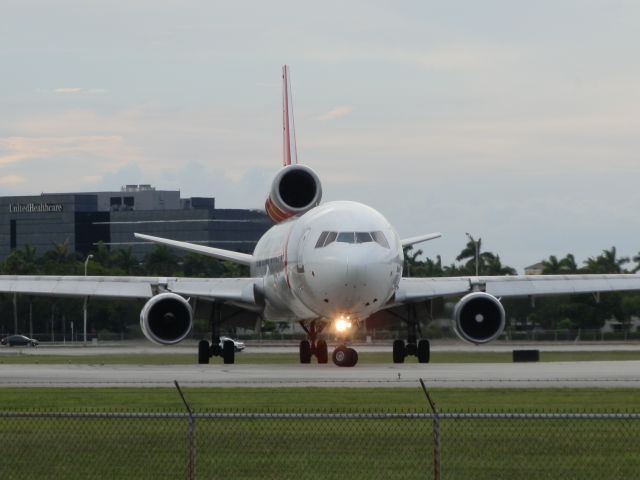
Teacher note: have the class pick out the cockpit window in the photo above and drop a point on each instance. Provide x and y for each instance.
(331, 238)
(346, 237)
(323, 237)
(363, 237)
(327, 238)
(379, 238)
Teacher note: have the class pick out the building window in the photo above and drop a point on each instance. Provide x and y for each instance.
(12, 235)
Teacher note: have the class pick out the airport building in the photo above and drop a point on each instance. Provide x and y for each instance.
(84, 219)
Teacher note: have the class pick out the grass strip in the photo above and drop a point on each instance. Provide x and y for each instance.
(259, 399)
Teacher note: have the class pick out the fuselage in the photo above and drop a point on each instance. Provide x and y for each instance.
(338, 260)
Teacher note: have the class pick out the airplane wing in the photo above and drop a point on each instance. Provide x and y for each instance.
(419, 289)
(219, 253)
(239, 290)
(419, 239)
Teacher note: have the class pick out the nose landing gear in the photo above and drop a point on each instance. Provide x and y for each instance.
(344, 356)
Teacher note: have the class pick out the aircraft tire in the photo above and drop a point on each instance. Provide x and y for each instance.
(399, 351)
(203, 352)
(322, 351)
(305, 351)
(424, 351)
(342, 356)
(228, 352)
(354, 357)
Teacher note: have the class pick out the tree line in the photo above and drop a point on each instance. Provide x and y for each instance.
(554, 312)
(53, 316)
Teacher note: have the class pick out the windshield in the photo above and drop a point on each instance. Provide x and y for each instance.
(326, 238)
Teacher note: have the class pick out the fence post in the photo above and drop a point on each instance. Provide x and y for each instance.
(436, 433)
(191, 435)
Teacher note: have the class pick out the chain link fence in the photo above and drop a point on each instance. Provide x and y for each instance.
(322, 445)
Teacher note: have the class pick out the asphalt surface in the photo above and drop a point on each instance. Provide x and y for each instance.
(476, 375)
(190, 348)
(485, 375)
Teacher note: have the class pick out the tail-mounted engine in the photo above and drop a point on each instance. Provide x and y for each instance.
(479, 317)
(295, 190)
(166, 318)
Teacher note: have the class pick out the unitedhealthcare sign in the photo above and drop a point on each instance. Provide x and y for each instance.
(35, 207)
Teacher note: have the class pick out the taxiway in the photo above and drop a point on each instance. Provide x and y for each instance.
(478, 375)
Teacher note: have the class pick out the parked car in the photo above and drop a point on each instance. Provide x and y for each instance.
(239, 346)
(13, 340)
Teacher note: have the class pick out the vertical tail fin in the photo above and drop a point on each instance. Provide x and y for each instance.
(288, 123)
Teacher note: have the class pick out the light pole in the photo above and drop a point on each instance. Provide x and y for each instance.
(476, 244)
(86, 299)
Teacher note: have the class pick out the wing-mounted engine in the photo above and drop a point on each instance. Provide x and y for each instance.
(295, 190)
(166, 318)
(479, 318)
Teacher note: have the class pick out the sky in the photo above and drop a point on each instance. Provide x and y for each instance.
(518, 122)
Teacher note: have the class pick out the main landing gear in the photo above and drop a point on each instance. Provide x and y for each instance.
(420, 349)
(312, 346)
(207, 350)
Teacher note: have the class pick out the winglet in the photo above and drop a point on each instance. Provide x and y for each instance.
(420, 238)
(219, 253)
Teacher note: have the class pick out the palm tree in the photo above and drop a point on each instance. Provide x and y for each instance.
(102, 255)
(196, 265)
(411, 262)
(493, 266)
(606, 262)
(553, 266)
(568, 264)
(14, 264)
(433, 269)
(469, 251)
(125, 260)
(59, 252)
(161, 261)
(637, 260)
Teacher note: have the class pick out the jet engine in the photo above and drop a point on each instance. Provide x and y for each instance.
(295, 190)
(166, 318)
(479, 317)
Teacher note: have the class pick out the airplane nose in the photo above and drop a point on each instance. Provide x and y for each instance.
(349, 284)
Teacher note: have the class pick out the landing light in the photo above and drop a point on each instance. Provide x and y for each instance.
(343, 325)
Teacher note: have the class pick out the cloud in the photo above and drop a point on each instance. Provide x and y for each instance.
(15, 150)
(9, 180)
(79, 90)
(335, 113)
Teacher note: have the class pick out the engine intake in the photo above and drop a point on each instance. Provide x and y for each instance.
(166, 318)
(296, 189)
(479, 318)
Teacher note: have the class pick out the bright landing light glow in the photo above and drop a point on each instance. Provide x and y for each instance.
(342, 325)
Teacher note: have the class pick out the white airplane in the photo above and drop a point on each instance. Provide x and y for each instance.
(326, 266)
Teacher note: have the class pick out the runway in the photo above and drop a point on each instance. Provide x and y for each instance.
(190, 347)
(477, 375)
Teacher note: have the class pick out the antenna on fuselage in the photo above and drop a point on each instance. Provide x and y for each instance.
(288, 122)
